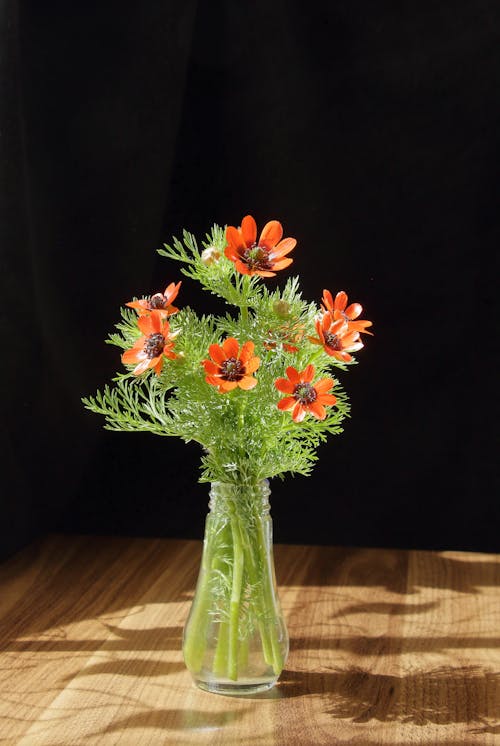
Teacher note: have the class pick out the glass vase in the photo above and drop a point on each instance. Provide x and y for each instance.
(235, 638)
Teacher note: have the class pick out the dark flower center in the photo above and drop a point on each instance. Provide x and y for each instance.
(232, 369)
(333, 341)
(257, 258)
(305, 393)
(157, 301)
(154, 345)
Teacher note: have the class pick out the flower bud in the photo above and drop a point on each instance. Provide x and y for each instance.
(210, 255)
(281, 308)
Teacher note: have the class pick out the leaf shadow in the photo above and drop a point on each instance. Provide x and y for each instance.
(444, 695)
(151, 638)
(135, 667)
(377, 645)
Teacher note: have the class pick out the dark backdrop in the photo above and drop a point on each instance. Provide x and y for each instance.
(370, 130)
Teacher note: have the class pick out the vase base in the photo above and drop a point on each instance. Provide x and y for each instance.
(235, 688)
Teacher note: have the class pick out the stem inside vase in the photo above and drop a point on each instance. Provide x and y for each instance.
(235, 639)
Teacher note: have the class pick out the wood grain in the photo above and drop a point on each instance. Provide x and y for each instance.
(387, 647)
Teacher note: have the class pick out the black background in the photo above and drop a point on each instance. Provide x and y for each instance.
(371, 130)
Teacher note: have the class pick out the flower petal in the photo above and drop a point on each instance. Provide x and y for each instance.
(231, 347)
(210, 367)
(349, 339)
(307, 374)
(324, 323)
(227, 385)
(212, 380)
(340, 301)
(132, 356)
(144, 365)
(284, 385)
(139, 305)
(252, 365)
(247, 382)
(249, 230)
(334, 353)
(282, 263)
(263, 273)
(293, 374)
(271, 234)
(287, 403)
(171, 291)
(317, 410)
(247, 351)
(165, 326)
(355, 347)
(158, 365)
(243, 269)
(231, 253)
(360, 326)
(148, 324)
(327, 300)
(234, 237)
(338, 327)
(353, 311)
(139, 343)
(329, 399)
(324, 385)
(284, 247)
(298, 413)
(217, 353)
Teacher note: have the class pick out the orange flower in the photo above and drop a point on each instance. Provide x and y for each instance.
(155, 343)
(305, 395)
(262, 257)
(158, 302)
(338, 309)
(229, 367)
(337, 340)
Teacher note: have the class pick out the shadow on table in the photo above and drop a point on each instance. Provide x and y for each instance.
(384, 644)
(57, 582)
(441, 696)
(171, 719)
(121, 639)
(134, 667)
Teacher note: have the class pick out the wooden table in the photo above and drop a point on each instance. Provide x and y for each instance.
(387, 647)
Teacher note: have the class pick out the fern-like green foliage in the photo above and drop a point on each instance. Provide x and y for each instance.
(243, 435)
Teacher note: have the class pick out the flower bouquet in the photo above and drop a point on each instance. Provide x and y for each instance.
(254, 387)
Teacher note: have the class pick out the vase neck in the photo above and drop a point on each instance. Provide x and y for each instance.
(228, 497)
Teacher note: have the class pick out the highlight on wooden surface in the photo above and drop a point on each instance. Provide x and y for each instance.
(387, 647)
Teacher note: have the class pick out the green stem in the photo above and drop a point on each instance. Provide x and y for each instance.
(195, 642)
(245, 286)
(219, 565)
(243, 654)
(237, 547)
(258, 567)
(244, 315)
(252, 565)
(269, 600)
(221, 650)
(234, 609)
